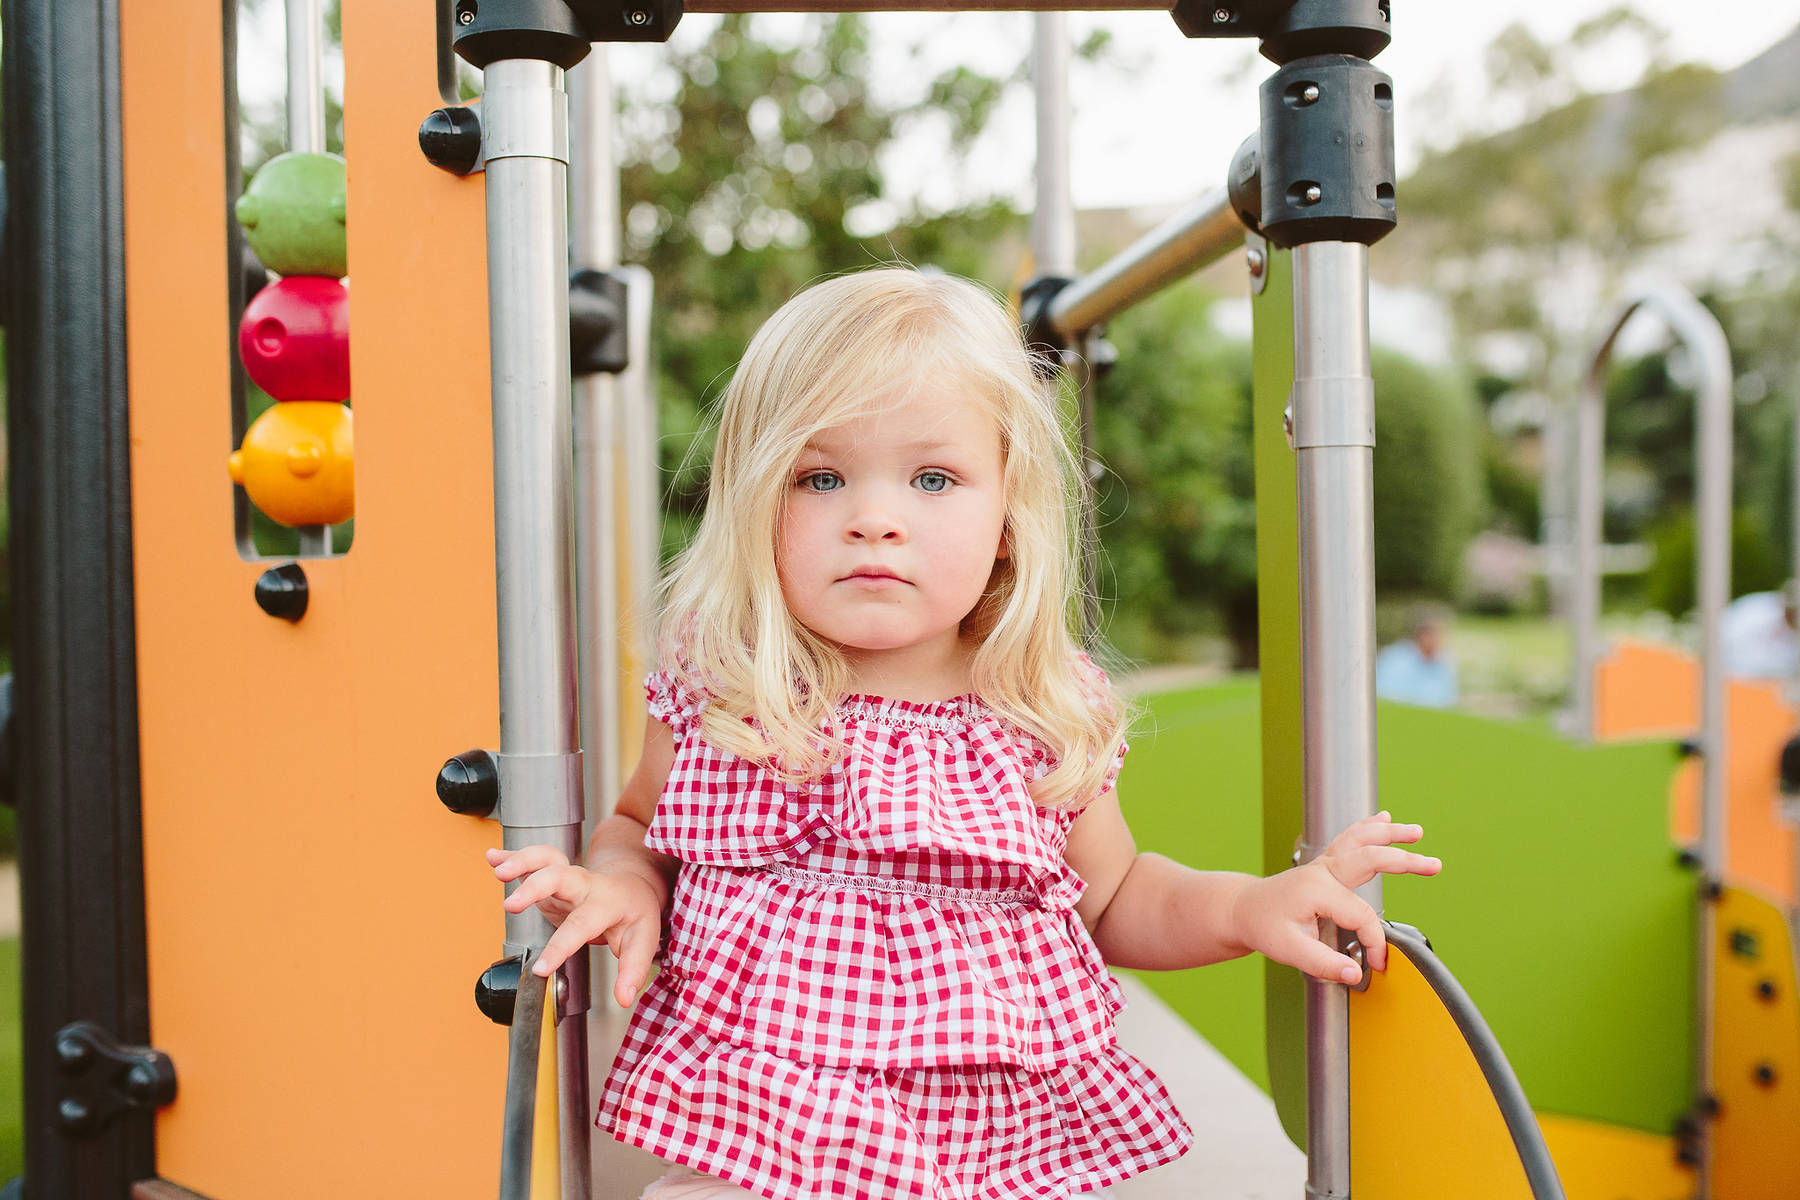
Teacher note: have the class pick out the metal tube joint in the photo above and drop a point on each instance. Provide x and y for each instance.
(556, 31)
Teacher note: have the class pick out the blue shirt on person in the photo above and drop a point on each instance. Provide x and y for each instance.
(1403, 673)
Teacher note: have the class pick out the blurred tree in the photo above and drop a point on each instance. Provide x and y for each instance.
(747, 185)
(1177, 510)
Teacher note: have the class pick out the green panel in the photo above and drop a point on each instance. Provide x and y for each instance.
(1561, 907)
(1187, 791)
(1278, 617)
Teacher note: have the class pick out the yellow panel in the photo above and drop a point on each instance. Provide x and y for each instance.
(1607, 1162)
(1756, 1053)
(1423, 1122)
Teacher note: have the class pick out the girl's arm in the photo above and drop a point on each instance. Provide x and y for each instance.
(618, 841)
(1150, 912)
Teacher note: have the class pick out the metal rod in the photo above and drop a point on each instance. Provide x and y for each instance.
(305, 78)
(1333, 422)
(1200, 234)
(642, 468)
(306, 134)
(1700, 333)
(1053, 221)
(525, 138)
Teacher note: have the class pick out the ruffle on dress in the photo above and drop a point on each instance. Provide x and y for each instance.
(946, 775)
(794, 1131)
(868, 970)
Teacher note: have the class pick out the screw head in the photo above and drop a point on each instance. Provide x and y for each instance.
(638, 16)
(1309, 94)
(1314, 194)
(465, 15)
(1221, 16)
(1257, 262)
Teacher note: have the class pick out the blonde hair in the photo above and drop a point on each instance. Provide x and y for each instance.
(837, 351)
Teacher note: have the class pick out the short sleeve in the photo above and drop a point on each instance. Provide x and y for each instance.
(673, 701)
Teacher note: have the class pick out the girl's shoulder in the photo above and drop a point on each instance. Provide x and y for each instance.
(675, 697)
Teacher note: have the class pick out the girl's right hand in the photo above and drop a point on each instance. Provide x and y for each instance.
(585, 906)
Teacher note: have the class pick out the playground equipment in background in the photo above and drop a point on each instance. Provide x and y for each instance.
(141, 732)
(1649, 975)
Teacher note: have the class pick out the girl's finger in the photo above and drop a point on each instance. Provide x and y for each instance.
(1366, 862)
(569, 937)
(515, 863)
(1350, 911)
(1317, 959)
(635, 950)
(542, 885)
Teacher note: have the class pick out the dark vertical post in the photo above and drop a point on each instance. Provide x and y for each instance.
(75, 677)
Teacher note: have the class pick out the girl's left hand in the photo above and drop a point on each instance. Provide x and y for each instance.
(1280, 915)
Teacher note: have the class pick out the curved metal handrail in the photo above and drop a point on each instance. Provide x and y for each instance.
(1700, 332)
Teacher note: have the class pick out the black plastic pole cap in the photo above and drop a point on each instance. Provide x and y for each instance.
(451, 139)
(282, 591)
(497, 991)
(469, 783)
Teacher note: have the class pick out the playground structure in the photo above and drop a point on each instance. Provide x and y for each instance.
(282, 1043)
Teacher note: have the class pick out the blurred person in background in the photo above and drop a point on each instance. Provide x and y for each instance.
(1417, 669)
(1756, 634)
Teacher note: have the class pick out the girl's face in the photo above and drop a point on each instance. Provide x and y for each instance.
(890, 528)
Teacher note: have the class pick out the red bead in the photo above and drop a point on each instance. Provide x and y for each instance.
(295, 339)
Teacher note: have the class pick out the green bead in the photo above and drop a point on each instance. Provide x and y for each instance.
(293, 215)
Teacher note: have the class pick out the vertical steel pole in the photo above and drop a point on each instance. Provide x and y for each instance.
(306, 135)
(1581, 586)
(1053, 222)
(1334, 438)
(525, 136)
(593, 243)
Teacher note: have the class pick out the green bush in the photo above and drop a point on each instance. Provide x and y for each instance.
(1757, 565)
(1429, 484)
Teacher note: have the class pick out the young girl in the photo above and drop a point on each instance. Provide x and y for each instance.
(876, 798)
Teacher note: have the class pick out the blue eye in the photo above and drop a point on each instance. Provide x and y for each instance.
(933, 482)
(821, 481)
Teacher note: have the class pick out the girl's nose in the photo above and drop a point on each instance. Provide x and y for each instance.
(875, 523)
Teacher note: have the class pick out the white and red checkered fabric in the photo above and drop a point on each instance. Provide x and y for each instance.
(877, 985)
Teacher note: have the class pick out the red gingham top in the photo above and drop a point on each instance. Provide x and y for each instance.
(877, 984)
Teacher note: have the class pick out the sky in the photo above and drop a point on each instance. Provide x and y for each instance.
(1157, 122)
(1158, 125)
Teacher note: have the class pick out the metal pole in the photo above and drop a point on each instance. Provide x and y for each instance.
(593, 243)
(525, 136)
(1334, 437)
(643, 472)
(1701, 334)
(1200, 234)
(1053, 222)
(306, 135)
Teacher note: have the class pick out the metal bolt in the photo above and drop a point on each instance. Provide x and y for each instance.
(1221, 16)
(1314, 194)
(466, 17)
(1309, 94)
(638, 16)
(1257, 263)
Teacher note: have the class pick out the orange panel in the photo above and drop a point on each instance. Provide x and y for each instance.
(1759, 842)
(1756, 1053)
(1645, 690)
(315, 918)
